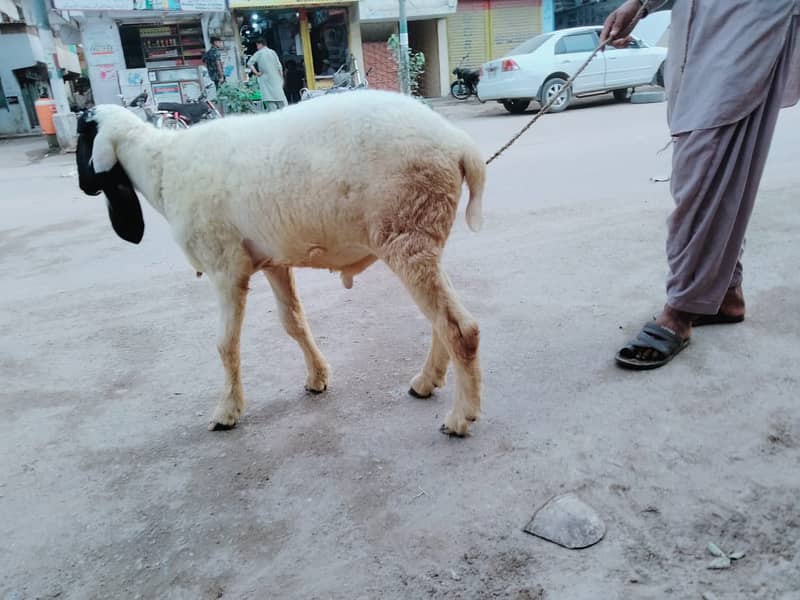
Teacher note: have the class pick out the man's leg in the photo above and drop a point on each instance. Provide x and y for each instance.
(715, 179)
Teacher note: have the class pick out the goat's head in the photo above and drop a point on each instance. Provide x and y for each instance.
(99, 170)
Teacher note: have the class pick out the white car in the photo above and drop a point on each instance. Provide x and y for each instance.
(538, 68)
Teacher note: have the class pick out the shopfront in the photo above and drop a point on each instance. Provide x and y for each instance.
(312, 40)
(153, 46)
(168, 54)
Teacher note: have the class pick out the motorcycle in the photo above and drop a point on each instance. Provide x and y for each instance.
(347, 78)
(183, 115)
(140, 106)
(466, 83)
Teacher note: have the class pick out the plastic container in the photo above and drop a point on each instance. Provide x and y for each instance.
(45, 109)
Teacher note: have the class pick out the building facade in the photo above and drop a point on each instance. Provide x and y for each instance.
(131, 46)
(482, 30)
(120, 48)
(24, 70)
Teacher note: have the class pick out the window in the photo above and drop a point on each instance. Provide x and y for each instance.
(580, 42)
(530, 45)
(329, 43)
(634, 44)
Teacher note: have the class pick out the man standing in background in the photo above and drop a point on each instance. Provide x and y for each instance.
(213, 60)
(266, 65)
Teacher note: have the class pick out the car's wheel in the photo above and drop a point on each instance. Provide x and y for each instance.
(459, 90)
(516, 107)
(622, 95)
(660, 76)
(552, 87)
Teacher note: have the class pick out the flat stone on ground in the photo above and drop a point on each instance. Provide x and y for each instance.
(567, 521)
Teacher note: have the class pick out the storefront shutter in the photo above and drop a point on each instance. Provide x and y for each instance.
(513, 22)
(467, 33)
(489, 29)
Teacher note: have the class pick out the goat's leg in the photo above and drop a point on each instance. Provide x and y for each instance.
(457, 331)
(434, 372)
(232, 293)
(294, 321)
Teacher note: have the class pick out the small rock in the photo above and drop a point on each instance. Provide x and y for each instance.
(568, 521)
(736, 555)
(714, 549)
(721, 562)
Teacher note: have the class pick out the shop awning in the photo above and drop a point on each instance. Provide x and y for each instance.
(67, 57)
(9, 8)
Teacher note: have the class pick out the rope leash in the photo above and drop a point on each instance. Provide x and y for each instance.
(565, 88)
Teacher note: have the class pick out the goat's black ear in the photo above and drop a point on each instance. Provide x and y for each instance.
(124, 209)
(90, 182)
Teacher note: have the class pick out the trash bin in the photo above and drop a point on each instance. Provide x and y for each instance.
(45, 109)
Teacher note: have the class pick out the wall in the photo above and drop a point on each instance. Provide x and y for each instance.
(423, 37)
(354, 41)
(384, 75)
(17, 51)
(103, 50)
(387, 10)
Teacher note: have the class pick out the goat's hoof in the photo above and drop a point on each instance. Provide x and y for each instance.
(225, 417)
(447, 431)
(423, 386)
(457, 425)
(315, 391)
(416, 394)
(215, 426)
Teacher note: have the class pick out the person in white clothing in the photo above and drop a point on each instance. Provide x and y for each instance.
(266, 65)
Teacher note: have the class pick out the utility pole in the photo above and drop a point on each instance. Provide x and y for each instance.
(405, 80)
(42, 23)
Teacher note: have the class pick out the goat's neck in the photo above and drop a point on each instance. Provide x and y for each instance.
(140, 155)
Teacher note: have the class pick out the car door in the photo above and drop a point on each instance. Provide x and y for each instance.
(571, 52)
(629, 66)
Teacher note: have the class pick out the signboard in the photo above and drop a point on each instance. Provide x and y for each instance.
(93, 4)
(156, 5)
(104, 72)
(203, 5)
(167, 5)
(167, 92)
(286, 3)
(100, 47)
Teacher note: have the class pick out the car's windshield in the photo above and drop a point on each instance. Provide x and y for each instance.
(532, 44)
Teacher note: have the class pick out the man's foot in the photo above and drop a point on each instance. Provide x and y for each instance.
(659, 342)
(731, 311)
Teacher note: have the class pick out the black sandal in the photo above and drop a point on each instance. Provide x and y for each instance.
(717, 319)
(652, 337)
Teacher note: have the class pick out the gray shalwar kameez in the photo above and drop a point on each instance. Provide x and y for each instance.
(732, 65)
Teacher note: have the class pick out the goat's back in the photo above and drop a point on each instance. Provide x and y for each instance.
(318, 170)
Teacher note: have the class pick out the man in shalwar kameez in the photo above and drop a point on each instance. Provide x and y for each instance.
(732, 65)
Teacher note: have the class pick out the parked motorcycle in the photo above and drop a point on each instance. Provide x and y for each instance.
(347, 78)
(466, 83)
(183, 115)
(140, 107)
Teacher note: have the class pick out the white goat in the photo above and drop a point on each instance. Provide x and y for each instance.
(336, 183)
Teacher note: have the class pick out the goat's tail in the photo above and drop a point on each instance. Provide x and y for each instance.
(474, 170)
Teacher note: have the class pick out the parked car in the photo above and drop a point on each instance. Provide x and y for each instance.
(538, 68)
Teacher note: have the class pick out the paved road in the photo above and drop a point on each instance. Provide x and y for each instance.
(110, 485)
